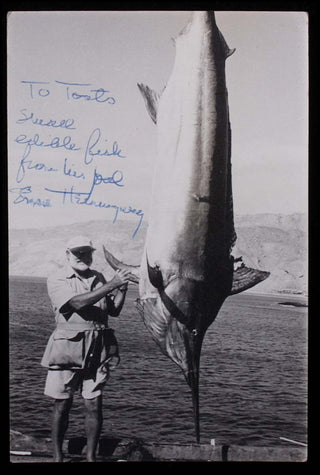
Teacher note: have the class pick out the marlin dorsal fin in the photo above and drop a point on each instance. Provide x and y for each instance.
(151, 99)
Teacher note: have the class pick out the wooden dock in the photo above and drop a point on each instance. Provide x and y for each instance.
(25, 449)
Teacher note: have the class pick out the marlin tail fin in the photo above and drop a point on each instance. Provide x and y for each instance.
(244, 278)
(118, 265)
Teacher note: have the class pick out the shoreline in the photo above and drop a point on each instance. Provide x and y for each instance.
(279, 293)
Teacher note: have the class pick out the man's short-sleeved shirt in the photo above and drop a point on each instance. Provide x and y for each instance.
(70, 347)
(65, 284)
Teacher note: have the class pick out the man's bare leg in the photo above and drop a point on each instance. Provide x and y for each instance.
(93, 423)
(60, 421)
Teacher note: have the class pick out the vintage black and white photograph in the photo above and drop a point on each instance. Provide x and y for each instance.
(158, 236)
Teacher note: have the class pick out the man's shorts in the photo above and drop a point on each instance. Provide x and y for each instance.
(62, 384)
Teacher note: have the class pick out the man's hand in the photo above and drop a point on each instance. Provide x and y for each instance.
(120, 278)
(80, 301)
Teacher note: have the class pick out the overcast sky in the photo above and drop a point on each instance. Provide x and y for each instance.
(267, 84)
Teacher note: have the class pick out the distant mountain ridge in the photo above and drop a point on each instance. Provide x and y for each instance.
(273, 242)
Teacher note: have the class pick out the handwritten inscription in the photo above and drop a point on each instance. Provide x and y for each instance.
(83, 198)
(69, 91)
(36, 141)
(29, 117)
(93, 150)
(48, 148)
(29, 165)
(23, 197)
(69, 171)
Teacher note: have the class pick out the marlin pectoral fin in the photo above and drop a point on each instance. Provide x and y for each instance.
(118, 265)
(230, 52)
(151, 100)
(244, 278)
(155, 276)
(227, 51)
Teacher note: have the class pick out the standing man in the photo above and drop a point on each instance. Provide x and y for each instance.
(82, 349)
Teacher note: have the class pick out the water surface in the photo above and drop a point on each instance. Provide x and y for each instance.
(253, 380)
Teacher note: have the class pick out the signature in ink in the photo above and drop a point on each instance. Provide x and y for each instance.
(23, 197)
(83, 198)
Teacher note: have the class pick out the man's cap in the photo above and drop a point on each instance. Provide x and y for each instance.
(79, 242)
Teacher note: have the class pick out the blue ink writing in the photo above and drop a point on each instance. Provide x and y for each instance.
(74, 196)
(71, 91)
(29, 165)
(77, 199)
(30, 117)
(96, 95)
(57, 142)
(69, 172)
(37, 91)
(115, 179)
(93, 150)
(22, 198)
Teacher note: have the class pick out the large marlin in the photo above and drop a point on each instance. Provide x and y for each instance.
(187, 269)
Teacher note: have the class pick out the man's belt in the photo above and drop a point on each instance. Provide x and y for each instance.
(79, 326)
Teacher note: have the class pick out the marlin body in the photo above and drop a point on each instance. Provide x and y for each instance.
(187, 269)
